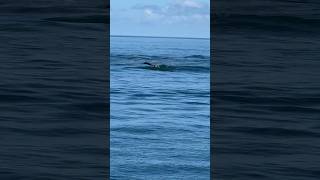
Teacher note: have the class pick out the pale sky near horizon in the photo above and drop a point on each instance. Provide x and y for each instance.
(169, 18)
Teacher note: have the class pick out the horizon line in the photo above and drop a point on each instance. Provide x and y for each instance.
(160, 37)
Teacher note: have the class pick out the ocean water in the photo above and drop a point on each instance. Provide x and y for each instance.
(160, 118)
(53, 89)
(265, 93)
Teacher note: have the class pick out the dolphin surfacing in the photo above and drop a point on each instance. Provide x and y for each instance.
(159, 67)
(152, 65)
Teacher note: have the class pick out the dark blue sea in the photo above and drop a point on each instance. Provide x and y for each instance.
(160, 118)
(266, 87)
(53, 89)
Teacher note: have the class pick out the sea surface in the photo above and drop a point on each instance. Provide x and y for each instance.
(53, 89)
(160, 118)
(266, 90)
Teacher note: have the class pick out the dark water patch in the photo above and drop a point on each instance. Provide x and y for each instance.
(11, 89)
(51, 132)
(15, 98)
(18, 27)
(80, 150)
(77, 95)
(296, 109)
(47, 7)
(43, 61)
(99, 107)
(252, 65)
(275, 23)
(72, 27)
(220, 93)
(268, 96)
(265, 88)
(82, 19)
(47, 63)
(266, 106)
(242, 110)
(52, 89)
(272, 150)
(39, 86)
(272, 19)
(279, 132)
(42, 10)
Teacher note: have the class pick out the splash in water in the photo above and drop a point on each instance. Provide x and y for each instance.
(159, 67)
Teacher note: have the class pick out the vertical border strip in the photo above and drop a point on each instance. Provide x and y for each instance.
(212, 38)
(108, 89)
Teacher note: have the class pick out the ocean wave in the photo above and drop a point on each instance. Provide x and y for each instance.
(155, 57)
(193, 68)
(192, 63)
(138, 57)
(174, 68)
(197, 56)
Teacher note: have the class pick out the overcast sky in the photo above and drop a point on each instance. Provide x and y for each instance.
(169, 18)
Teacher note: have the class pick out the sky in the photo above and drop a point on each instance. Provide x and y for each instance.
(163, 18)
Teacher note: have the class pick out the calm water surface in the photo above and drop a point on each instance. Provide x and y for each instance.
(160, 119)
